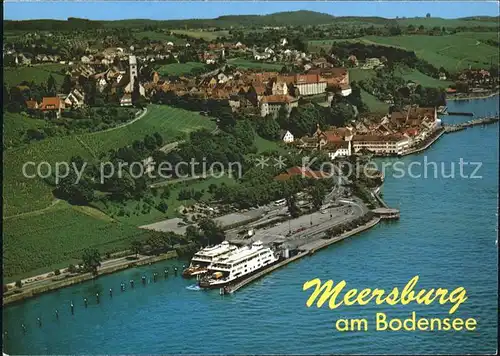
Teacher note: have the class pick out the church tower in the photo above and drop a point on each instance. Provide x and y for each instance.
(132, 61)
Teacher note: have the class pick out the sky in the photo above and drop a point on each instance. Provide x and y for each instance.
(111, 10)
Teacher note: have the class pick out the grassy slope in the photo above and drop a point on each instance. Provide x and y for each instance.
(159, 36)
(39, 73)
(440, 22)
(23, 194)
(206, 35)
(373, 103)
(53, 237)
(179, 68)
(168, 121)
(267, 145)
(245, 63)
(422, 79)
(453, 52)
(57, 237)
(15, 125)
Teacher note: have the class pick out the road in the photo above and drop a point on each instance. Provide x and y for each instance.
(304, 229)
(144, 112)
(46, 278)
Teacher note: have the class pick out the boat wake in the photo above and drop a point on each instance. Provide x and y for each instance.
(193, 287)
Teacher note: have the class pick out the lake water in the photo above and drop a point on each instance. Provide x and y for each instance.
(446, 235)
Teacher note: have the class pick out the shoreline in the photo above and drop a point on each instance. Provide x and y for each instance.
(80, 278)
(427, 145)
(66, 282)
(473, 97)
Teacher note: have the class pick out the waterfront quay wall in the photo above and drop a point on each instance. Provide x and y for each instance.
(471, 123)
(441, 132)
(66, 282)
(305, 250)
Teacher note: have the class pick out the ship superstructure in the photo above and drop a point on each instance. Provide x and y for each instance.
(205, 257)
(237, 265)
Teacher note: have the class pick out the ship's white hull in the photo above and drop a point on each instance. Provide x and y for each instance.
(214, 283)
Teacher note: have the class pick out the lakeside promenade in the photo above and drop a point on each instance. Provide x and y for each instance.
(66, 280)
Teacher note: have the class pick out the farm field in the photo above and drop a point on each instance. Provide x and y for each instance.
(266, 145)
(54, 238)
(40, 242)
(179, 68)
(358, 74)
(39, 73)
(22, 194)
(326, 44)
(375, 105)
(206, 35)
(246, 63)
(440, 22)
(480, 36)
(453, 52)
(422, 79)
(159, 36)
(170, 122)
(15, 126)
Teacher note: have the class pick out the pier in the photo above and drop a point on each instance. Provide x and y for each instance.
(470, 123)
(459, 113)
(386, 213)
(305, 250)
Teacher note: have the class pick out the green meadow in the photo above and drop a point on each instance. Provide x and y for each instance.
(250, 64)
(39, 73)
(179, 68)
(27, 194)
(453, 52)
(41, 233)
(206, 35)
(40, 242)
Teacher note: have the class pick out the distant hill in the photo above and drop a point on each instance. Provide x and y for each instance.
(289, 18)
(481, 18)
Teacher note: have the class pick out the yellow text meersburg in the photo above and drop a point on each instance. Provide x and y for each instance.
(331, 292)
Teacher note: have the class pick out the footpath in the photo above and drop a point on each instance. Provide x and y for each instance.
(43, 283)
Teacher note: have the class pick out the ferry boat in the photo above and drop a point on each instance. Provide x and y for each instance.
(203, 258)
(238, 265)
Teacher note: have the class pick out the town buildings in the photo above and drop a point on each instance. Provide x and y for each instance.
(271, 104)
(392, 134)
(286, 136)
(52, 105)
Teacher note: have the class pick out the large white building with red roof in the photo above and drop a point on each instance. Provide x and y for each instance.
(271, 104)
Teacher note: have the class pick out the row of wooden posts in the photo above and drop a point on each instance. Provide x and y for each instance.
(85, 300)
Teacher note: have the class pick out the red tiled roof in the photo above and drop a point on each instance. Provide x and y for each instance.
(51, 103)
(303, 172)
(412, 132)
(259, 88)
(278, 99)
(332, 137)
